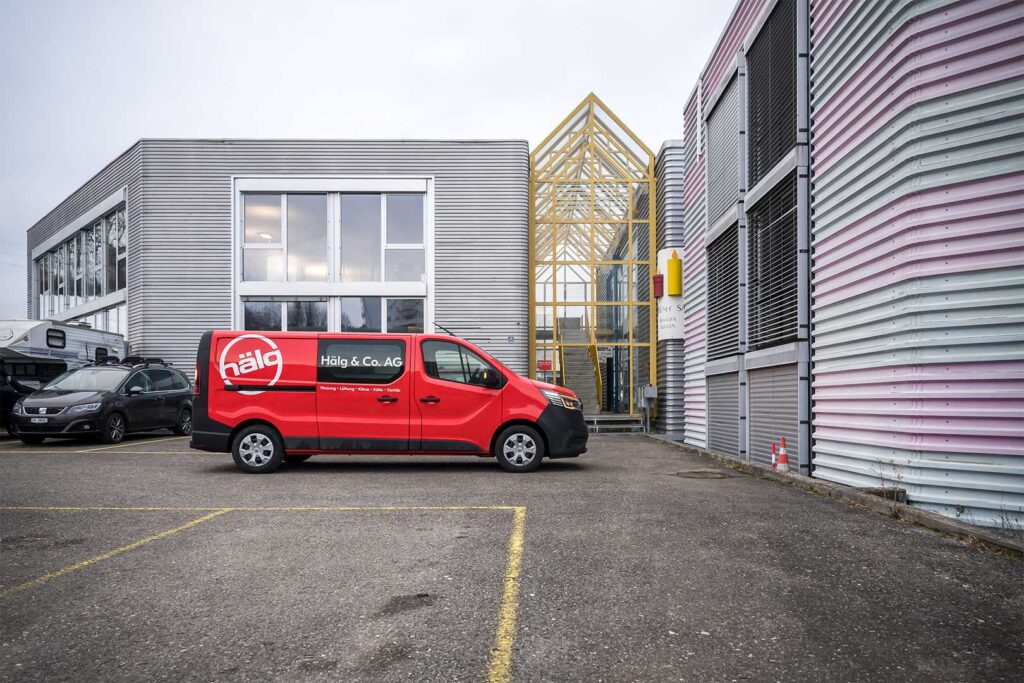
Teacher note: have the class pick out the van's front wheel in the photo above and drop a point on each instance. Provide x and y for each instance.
(258, 449)
(519, 449)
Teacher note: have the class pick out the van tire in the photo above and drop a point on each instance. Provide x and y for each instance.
(519, 448)
(258, 449)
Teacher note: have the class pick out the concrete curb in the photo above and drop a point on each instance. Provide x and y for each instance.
(900, 511)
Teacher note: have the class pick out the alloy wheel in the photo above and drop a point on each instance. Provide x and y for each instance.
(116, 428)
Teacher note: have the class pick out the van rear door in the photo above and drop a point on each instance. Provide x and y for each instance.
(363, 392)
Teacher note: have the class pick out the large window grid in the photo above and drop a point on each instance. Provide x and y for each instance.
(90, 264)
(290, 237)
(398, 315)
(113, 319)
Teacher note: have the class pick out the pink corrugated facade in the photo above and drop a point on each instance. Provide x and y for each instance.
(918, 251)
(695, 405)
(916, 237)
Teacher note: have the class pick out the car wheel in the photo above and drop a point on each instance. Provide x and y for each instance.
(31, 440)
(295, 459)
(114, 429)
(258, 449)
(184, 424)
(519, 449)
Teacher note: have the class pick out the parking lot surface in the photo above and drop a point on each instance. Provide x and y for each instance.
(637, 561)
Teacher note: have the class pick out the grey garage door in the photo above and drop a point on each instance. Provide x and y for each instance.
(723, 414)
(773, 412)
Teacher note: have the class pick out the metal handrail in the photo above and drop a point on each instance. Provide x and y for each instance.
(592, 351)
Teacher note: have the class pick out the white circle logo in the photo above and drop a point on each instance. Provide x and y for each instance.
(251, 357)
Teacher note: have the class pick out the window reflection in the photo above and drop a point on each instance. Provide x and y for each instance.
(307, 237)
(360, 314)
(360, 237)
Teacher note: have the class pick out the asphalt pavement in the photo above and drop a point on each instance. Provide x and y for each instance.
(635, 562)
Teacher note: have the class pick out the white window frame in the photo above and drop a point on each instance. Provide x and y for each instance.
(336, 312)
(332, 289)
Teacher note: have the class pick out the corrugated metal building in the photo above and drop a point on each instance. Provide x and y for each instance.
(902, 339)
(918, 243)
(176, 237)
(670, 217)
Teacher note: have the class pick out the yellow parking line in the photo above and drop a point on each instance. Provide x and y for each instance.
(106, 556)
(309, 508)
(133, 442)
(499, 666)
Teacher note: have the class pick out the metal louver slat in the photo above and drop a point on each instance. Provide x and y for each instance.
(723, 295)
(772, 269)
(771, 69)
(773, 410)
(723, 142)
(723, 414)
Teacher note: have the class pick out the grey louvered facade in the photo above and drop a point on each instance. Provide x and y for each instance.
(181, 200)
(724, 413)
(723, 153)
(670, 171)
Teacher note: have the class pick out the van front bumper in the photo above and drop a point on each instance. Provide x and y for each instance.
(565, 430)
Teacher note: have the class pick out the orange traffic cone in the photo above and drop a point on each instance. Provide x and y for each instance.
(774, 461)
(783, 458)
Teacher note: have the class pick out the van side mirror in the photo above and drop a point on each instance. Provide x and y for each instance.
(489, 378)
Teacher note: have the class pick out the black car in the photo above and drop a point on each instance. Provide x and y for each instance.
(106, 400)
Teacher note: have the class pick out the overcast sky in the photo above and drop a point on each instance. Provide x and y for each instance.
(80, 81)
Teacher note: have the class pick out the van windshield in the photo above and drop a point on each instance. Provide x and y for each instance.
(89, 379)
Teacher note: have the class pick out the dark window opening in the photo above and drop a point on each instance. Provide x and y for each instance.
(772, 267)
(771, 75)
(723, 295)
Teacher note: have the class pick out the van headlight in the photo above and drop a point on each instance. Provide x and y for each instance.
(18, 410)
(84, 408)
(556, 398)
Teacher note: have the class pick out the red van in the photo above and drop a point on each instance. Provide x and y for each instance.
(271, 397)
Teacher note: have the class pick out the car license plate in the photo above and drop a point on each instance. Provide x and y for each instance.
(40, 420)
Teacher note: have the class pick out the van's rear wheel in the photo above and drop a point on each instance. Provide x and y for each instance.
(258, 449)
(519, 449)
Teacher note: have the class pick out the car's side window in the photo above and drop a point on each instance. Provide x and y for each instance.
(180, 381)
(139, 379)
(453, 362)
(360, 361)
(161, 379)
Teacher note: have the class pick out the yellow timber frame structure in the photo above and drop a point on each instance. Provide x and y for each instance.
(592, 255)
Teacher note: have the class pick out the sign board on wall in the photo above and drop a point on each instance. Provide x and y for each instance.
(670, 305)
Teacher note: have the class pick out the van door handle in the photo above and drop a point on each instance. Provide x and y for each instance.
(387, 399)
(430, 399)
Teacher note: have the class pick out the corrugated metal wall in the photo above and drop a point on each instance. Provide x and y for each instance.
(723, 413)
(918, 165)
(180, 252)
(773, 412)
(124, 171)
(670, 171)
(694, 277)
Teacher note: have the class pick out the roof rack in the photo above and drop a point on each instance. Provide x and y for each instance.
(146, 362)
